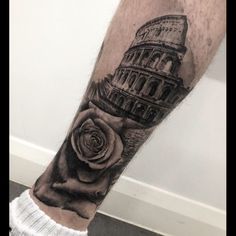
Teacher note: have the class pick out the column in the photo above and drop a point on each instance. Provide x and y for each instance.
(151, 54)
(135, 82)
(157, 94)
(141, 56)
(160, 60)
(145, 87)
(125, 85)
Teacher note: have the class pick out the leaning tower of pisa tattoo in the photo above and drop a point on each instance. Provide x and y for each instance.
(117, 116)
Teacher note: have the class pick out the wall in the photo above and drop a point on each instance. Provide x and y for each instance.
(54, 45)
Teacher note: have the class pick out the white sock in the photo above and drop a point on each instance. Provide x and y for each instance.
(26, 219)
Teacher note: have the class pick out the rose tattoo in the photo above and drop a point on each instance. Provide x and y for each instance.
(84, 163)
(96, 144)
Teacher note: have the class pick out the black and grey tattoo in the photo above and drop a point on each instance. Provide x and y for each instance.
(117, 116)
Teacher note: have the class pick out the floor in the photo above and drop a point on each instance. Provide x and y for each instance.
(101, 225)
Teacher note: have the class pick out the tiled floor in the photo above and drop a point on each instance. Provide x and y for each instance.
(101, 225)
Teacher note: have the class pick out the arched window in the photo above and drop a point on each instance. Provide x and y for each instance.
(139, 109)
(168, 65)
(145, 57)
(124, 77)
(113, 97)
(154, 60)
(120, 101)
(151, 115)
(131, 80)
(152, 88)
(140, 84)
(136, 58)
(165, 93)
(175, 99)
(161, 66)
(129, 106)
(119, 76)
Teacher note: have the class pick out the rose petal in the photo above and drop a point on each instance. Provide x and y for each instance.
(83, 116)
(101, 157)
(114, 157)
(117, 151)
(75, 187)
(77, 148)
(88, 122)
(110, 137)
(87, 148)
(88, 175)
(109, 125)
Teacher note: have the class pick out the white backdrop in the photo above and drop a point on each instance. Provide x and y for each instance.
(54, 44)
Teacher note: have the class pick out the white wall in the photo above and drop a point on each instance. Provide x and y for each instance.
(54, 44)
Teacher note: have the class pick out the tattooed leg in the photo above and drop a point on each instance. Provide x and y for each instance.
(122, 106)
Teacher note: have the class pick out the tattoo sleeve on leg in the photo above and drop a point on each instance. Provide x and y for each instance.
(117, 115)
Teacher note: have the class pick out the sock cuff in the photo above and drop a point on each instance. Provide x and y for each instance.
(27, 219)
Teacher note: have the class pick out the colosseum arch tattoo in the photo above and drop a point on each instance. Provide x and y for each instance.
(118, 115)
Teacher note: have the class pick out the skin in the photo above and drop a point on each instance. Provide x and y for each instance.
(206, 28)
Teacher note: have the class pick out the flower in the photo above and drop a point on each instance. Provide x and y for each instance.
(96, 148)
(95, 143)
(85, 163)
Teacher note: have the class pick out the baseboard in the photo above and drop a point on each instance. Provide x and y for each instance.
(129, 200)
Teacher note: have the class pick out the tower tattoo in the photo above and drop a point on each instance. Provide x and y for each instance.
(117, 116)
